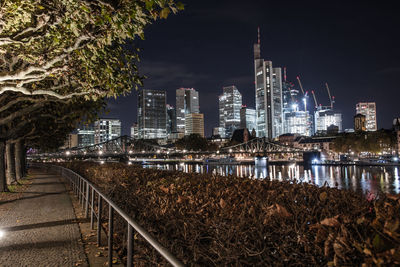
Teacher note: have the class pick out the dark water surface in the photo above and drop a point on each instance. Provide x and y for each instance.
(366, 179)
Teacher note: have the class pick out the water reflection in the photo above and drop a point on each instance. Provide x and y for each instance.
(365, 179)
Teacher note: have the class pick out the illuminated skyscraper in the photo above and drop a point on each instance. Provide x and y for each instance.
(268, 85)
(152, 114)
(325, 118)
(194, 124)
(248, 118)
(368, 109)
(187, 101)
(230, 103)
(298, 122)
(106, 129)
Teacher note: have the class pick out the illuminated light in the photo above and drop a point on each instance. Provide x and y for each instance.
(230, 150)
(158, 151)
(218, 152)
(130, 151)
(67, 153)
(100, 152)
(315, 161)
(129, 163)
(395, 159)
(2, 234)
(102, 162)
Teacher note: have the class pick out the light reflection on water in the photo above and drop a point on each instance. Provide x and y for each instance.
(366, 179)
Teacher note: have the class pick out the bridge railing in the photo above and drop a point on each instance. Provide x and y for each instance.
(86, 193)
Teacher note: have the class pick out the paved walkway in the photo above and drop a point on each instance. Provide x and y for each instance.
(40, 228)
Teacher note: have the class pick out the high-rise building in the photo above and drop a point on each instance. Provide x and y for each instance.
(85, 135)
(171, 119)
(359, 123)
(368, 109)
(194, 124)
(248, 118)
(152, 114)
(106, 129)
(268, 85)
(135, 131)
(187, 101)
(325, 118)
(298, 122)
(230, 103)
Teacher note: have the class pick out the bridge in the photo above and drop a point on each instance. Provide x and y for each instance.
(125, 147)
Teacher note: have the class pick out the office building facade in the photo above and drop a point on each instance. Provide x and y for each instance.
(325, 118)
(85, 135)
(187, 101)
(171, 119)
(360, 123)
(230, 103)
(194, 124)
(268, 86)
(106, 129)
(248, 118)
(368, 109)
(298, 122)
(152, 114)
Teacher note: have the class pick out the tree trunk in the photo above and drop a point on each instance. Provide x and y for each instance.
(18, 160)
(3, 181)
(24, 166)
(10, 159)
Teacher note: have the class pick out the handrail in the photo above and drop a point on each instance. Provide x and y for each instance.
(82, 188)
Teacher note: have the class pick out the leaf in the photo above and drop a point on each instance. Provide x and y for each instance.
(333, 222)
(164, 13)
(222, 203)
(180, 6)
(323, 196)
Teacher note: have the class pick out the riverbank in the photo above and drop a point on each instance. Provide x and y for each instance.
(215, 220)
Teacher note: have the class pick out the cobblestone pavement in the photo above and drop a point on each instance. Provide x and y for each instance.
(40, 228)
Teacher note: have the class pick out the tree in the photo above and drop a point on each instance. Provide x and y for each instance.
(54, 51)
(194, 142)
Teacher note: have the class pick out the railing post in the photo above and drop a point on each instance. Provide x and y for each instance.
(87, 201)
(100, 207)
(130, 246)
(92, 211)
(110, 234)
(83, 194)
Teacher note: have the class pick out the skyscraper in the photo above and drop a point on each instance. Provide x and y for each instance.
(194, 124)
(85, 135)
(152, 114)
(230, 103)
(298, 122)
(106, 129)
(248, 118)
(368, 109)
(187, 101)
(325, 118)
(171, 119)
(268, 85)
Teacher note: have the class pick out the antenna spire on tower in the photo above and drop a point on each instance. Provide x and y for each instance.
(258, 29)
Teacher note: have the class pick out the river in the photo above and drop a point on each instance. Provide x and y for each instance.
(366, 178)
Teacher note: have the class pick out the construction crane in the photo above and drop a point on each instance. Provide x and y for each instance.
(315, 99)
(331, 98)
(301, 86)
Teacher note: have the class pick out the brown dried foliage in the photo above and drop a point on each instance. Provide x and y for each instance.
(208, 220)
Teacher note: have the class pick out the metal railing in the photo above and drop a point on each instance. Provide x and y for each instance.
(86, 193)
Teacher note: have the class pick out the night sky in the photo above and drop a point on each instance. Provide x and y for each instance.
(352, 45)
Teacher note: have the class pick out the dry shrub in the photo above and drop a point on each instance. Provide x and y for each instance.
(206, 219)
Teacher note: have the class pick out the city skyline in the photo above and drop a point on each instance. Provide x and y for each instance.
(214, 49)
